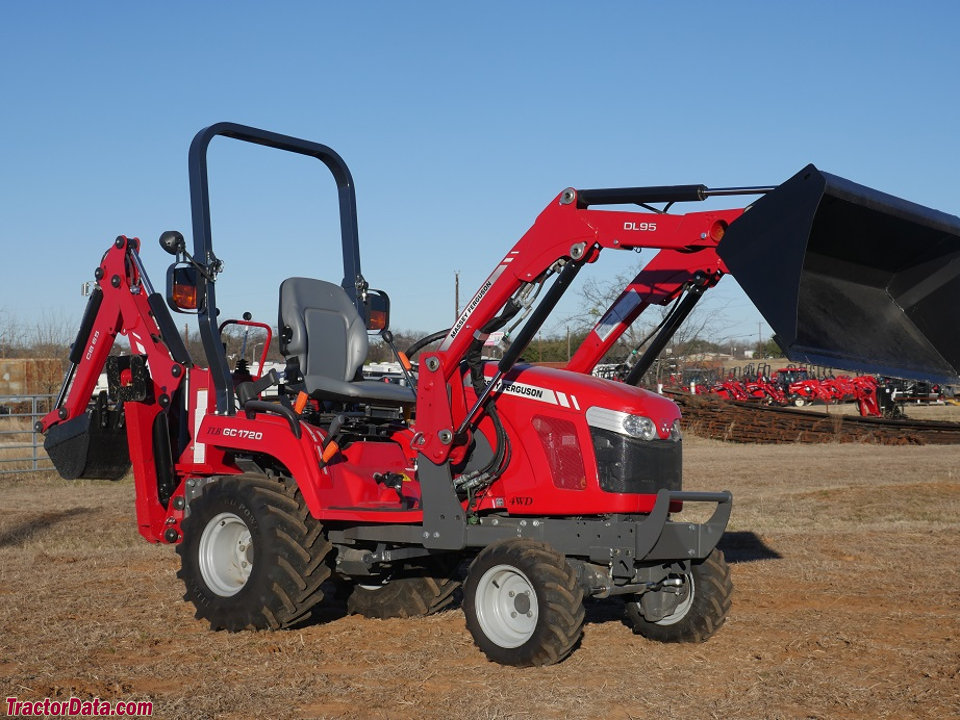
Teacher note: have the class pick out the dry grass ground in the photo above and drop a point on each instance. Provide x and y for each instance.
(847, 605)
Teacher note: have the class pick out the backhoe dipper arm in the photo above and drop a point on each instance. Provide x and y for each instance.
(125, 303)
(564, 231)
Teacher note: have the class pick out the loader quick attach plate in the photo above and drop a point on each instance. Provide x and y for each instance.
(852, 278)
(92, 445)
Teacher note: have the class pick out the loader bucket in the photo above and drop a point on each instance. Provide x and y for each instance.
(852, 278)
(92, 445)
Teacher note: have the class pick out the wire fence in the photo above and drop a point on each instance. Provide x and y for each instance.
(21, 449)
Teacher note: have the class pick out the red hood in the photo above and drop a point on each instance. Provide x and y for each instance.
(585, 391)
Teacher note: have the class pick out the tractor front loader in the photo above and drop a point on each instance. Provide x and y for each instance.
(860, 283)
(556, 486)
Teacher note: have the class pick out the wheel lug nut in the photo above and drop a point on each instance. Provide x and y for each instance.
(511, 593)
(513, 614)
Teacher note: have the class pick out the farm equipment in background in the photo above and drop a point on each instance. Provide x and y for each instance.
(912, 391)
(557, 485)
(758, 389)
(782, 390)
(730, 390)
(798, 385)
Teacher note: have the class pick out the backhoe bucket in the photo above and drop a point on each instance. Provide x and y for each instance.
(852, 278)
(93, 445)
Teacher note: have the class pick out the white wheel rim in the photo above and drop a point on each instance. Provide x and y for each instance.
(226, 554)
(684, 607)
(372, 588)
(506, 605)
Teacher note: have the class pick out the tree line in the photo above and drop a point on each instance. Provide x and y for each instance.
(698, 337)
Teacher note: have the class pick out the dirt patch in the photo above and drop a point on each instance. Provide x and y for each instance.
(847, 605)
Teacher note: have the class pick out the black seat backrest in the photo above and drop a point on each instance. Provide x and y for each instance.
(320, 327)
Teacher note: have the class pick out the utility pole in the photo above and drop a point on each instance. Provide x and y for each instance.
(456, 295)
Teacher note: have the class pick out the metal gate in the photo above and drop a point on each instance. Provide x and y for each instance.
(21, 449)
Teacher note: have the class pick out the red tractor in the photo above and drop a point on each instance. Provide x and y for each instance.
(555, 485)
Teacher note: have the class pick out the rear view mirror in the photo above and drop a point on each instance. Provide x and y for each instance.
(173, 242)
(183, 294)
(378, 310)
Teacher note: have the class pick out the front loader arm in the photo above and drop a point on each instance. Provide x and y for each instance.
(567, 232)
(660, 282)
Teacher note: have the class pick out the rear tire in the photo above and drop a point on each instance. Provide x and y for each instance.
(252, 556)
(419, 591)
(706, 596)
(523, 604)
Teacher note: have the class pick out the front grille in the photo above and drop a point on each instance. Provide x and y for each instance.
(631, 465)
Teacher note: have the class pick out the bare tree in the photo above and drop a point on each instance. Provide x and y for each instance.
(47, 337)
(10, 335)
(51, 336)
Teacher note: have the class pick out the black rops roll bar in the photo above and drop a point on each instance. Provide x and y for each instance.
(353, 281)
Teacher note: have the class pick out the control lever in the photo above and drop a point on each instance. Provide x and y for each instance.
(404, 361)
(252, 388)
(330, 445)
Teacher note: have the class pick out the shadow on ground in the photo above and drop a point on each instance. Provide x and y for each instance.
(737, 547)
(23, 532)
(746, 546)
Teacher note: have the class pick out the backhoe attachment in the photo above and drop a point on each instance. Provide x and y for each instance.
(87, 437)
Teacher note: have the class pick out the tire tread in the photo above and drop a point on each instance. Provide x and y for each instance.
(560, 597)
(713, 597)
(293, 553)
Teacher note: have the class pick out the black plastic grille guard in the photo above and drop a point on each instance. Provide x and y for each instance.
(680, 539)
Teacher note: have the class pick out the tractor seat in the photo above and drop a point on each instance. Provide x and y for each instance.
(321, 330)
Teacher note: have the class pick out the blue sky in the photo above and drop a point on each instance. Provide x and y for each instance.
(459, 122)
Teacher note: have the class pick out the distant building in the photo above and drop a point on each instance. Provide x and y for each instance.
(30, 376)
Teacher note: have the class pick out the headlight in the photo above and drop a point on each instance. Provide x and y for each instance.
(634, 426)
(639, 426)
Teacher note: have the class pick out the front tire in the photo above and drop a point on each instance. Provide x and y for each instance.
(705, 596)
(523, 604)
(252, 556)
